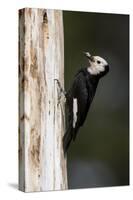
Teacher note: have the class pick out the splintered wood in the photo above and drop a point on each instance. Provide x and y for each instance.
(42, 165)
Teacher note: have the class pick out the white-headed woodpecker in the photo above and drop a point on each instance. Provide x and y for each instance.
(79, 97)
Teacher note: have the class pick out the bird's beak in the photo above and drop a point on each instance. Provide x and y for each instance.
(88, 55)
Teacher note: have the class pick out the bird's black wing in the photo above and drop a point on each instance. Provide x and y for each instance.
(81, 93)
(80, 90)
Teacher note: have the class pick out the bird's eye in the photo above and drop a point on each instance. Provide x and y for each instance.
(98, 61)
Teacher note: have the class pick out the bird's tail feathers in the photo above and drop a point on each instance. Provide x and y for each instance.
(67, 139)
(75, 132)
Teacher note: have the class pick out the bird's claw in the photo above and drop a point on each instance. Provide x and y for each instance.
(60, 91)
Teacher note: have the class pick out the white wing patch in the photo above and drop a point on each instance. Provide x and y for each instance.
(75, 110)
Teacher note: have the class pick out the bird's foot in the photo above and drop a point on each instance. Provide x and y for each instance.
(61, 92)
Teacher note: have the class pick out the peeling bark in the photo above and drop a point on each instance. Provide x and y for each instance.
(42, 165)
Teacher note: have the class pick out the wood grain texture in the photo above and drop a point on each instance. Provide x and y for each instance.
(42, 165)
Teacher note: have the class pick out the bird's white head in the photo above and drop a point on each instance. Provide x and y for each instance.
(96, 64)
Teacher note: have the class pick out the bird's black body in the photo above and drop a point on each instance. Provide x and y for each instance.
(83, 90)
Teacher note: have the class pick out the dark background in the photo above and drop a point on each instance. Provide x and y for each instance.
(100, 155)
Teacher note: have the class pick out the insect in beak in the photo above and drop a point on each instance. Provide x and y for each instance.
(88, 55)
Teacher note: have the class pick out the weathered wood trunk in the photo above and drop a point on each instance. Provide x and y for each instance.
(42, 165)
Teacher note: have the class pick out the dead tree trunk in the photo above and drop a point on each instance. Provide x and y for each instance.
(42, 165)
